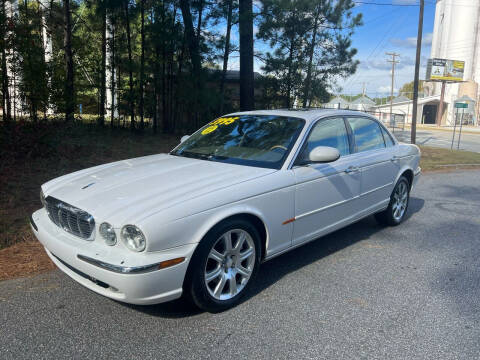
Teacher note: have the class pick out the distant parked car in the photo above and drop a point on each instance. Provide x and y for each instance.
(241, 190)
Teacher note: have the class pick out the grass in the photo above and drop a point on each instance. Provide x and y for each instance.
(434, 159)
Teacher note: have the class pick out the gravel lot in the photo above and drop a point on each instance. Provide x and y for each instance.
(365, 292)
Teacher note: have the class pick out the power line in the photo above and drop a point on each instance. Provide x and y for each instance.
(394, 28)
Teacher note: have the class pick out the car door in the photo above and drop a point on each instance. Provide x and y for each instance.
(376, 161)
(326, 194)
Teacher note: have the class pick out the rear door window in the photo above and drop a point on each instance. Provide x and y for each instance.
(387, 137)
(367, 134)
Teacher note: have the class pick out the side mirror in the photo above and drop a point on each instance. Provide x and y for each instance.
(183, 138)
(323, 154)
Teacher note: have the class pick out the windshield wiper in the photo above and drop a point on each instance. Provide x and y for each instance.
(201, 156)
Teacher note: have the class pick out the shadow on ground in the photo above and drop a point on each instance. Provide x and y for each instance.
(275, 269)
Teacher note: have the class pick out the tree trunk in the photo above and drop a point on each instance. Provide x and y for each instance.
(67, 43)
(178, 76)
(27, 64)
(103, 80)
(155, 79)
(112, 73)
(192, 40)
(194, 49)
(199, 20)
(246, 55)
(308, 80)
(47, 53)
(170, 71)
(142, 64)
(155, 95)
(289, 75)
(6, 106)
(226, 54)
(165, 119)
(130, 68)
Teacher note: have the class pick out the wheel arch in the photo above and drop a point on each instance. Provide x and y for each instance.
(408, 173)
(253, 217)
(245, 212)
(250, 214)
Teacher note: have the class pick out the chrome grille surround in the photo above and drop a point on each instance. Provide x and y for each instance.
(71, 219)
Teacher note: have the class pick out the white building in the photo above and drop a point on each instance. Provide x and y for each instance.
(363, 103)
(456, 36)
(337, 103)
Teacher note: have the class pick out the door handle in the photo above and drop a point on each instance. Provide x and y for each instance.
(395, 158)
(351, 169)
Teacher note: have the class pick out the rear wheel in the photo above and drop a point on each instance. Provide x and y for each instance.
(397, 208)
(224, 265)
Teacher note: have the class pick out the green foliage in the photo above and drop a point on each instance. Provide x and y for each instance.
(407, 89)
(311, 46)
(310, 41)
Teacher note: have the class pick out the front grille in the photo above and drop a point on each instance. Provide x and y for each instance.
(69, 218)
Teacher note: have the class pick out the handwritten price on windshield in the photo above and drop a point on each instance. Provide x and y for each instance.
(220, 121)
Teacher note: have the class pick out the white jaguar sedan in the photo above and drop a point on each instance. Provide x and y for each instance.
(241, 190)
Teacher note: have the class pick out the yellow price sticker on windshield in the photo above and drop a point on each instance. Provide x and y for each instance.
(209, 129)
(220, 121)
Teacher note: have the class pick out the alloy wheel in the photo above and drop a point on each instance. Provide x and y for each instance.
(400, 201)
(230, 264)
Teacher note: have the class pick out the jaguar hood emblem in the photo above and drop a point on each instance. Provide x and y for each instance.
(86, 186)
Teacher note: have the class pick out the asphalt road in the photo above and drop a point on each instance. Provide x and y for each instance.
(364, 292)
(441, 138)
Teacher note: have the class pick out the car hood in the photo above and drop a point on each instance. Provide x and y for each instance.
(124, 191)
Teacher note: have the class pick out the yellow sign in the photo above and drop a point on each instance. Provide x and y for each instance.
(443, 69)
(220, 121)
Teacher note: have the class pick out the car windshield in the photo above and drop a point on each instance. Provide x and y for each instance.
(252, 140)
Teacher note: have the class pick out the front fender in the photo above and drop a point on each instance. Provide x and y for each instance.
(192, 229)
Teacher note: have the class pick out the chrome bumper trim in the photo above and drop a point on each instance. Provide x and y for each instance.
(118, 268)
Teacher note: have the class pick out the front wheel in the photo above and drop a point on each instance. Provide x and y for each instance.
(223, 266)
(397, 208)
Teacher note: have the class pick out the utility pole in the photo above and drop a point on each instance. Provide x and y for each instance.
(247, 99)
(393, 61)
(438, 121)
(413, 134)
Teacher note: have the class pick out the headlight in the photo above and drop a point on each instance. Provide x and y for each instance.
(107, 232)
(133, 238)
(42, 199)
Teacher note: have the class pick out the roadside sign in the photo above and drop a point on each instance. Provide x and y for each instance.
(445, 70)
(461, 105)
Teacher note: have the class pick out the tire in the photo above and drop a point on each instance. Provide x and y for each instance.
(396, 210)
(219, 275)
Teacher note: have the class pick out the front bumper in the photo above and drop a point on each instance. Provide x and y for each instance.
(143, 287)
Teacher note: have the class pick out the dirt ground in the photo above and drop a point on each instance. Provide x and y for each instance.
(24, 259)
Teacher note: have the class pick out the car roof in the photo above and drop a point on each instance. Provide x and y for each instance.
(308, 115)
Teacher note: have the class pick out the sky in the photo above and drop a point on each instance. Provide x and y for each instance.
(388, 29)
(391, 27)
